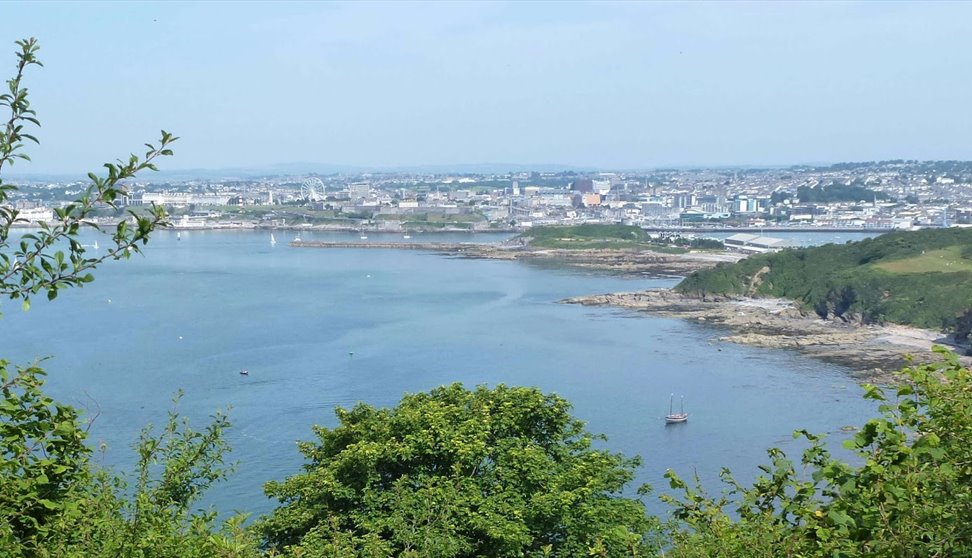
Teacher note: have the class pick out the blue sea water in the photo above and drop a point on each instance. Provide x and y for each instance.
(320, 328)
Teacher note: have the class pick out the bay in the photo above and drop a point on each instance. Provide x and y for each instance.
(319, 328)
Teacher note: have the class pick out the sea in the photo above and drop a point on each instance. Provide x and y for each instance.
(318, 329)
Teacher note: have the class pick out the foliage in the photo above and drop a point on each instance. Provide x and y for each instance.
(907, 493)
(607, 237)
(548, 236)
(780, 196)
(35, 262)
(493, 472)
(42, 458)
(944, 260)
(453, 472)
(53, 501)
(154, 517)
(695, 242)
(876, 280)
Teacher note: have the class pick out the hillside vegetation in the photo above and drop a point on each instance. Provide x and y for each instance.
(919, 278)
(596, 236)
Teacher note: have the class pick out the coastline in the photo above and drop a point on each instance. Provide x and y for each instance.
(622, 261)
(872, 352)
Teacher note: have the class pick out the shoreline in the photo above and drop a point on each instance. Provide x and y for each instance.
(622, 261)
(872, 352)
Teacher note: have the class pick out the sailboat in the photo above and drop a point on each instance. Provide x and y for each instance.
(178, 236)
(273, 241)
(672, 416)
(364, 236)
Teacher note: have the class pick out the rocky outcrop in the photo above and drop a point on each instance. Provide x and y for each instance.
(871, 352)
(623, 261)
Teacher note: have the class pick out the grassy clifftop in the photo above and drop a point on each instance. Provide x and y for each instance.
(920, 278)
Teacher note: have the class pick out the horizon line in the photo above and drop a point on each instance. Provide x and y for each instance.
(278, 169)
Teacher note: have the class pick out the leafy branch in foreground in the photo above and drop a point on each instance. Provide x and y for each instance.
(53, 501)
(42, 457)
(34, 262)
(908, 492)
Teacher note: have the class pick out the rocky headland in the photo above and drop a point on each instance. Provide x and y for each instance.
(634, 261)
(872, 352)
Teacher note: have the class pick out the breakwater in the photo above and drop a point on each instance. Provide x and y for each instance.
(432, 246)
(628, 261)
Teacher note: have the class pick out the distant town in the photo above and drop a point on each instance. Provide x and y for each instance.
(897, 194)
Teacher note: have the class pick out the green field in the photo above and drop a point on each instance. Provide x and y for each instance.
(945, 260)
(610, 237)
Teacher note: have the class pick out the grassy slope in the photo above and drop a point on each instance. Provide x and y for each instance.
(921, 278)
(945, 260)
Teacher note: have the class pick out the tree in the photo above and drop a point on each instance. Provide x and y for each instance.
(455, 472)
(53, 502)
(36, 262)
(907, 492)
(42, 457)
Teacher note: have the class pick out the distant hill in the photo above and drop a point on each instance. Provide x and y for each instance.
(305, 168)
(920, 278)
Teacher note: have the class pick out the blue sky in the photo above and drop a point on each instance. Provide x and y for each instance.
(626, 85)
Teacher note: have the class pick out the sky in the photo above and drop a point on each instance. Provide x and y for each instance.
(596, 85)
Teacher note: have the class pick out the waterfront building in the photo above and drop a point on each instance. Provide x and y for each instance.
(753, 244)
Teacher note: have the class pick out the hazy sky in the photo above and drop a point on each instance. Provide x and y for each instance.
(629, 85)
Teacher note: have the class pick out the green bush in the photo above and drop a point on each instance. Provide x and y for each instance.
(907, 491)
(458, 473)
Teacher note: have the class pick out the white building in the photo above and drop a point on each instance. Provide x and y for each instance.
(36, 215)
(359, 190)
(180, 199)
(753, 243)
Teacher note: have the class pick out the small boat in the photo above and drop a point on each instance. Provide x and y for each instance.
(273, 241)
(178, 236)
(406, 236)
(364, 236)
(672, 416)
(244, 372)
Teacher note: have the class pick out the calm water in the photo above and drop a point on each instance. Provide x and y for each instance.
(193, 312)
